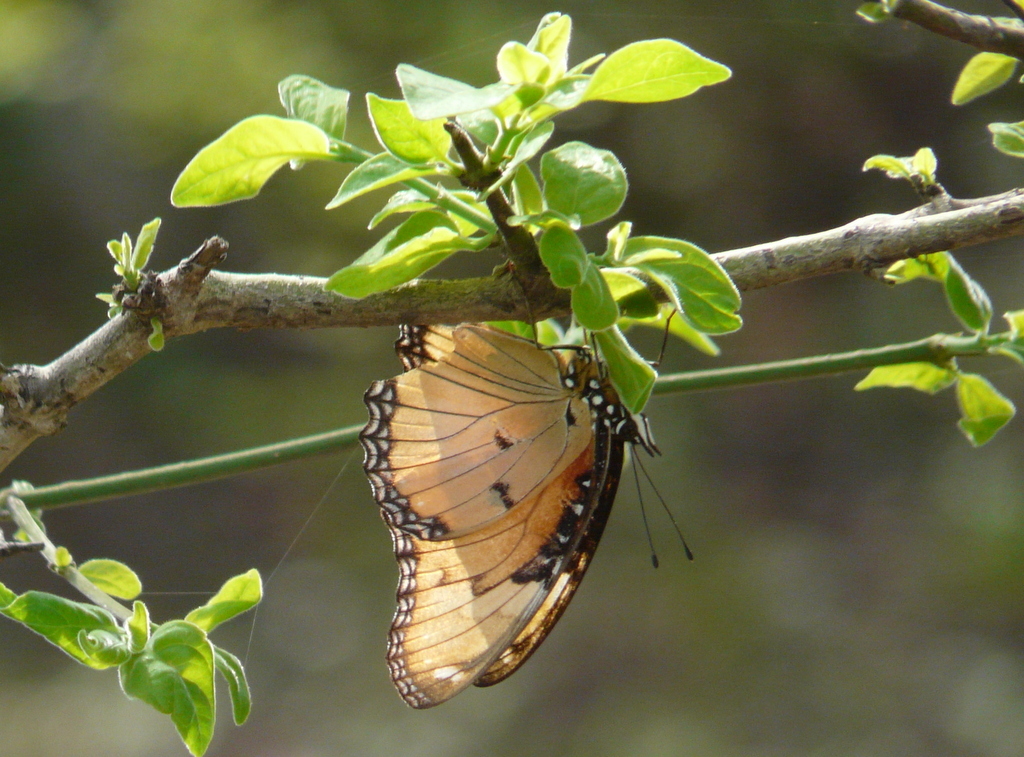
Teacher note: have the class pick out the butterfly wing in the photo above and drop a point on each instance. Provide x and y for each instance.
(480, 585)
(479, 423)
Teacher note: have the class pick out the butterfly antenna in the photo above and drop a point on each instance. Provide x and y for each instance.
(643, 514)
(665, 507)
(664, 339)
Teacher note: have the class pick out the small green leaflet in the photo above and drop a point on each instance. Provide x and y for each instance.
(310, 100)
(1008, 138)
(417, 245)
(379, 171)
(431, 96)
(592, 301)
(983, 408)
(632, 376)
(982, 74)
(236, 165)
(405, 136)
(564, 255)
(237, 595)
(113, 577)
(925, 377)
(653, 71)
(60, 620)
(583, 181)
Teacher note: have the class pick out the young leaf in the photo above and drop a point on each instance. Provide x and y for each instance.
(894, 168)
(681, 328)
(237, 595)
(431, 96)
(526, 148)
(582, 180)
(982, 74)
(1008, 138)
(925, 377)
(106, 648)
(156, 335)
(236, 165)
(653, 71)
(592, 301)
(925, 164)
(417, 245)
(704, 290)
(632, 376)
(402, 201)
(144, 244)
(518, 64)
(483, 125)
(405, 136)
(174, 675)
(1015, 318)
(138, 627)
(967, 299)
(231, 668)
(934, 266)
(875, 12)
(59, 621)
(630, 293)
(6, 597)
(379, 171)
(564, 255)
(983, 408)
(307, 99)
(552, 41)
(113, 577)
(526, 195)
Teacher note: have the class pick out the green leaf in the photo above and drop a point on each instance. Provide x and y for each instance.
(967, 299)
(592, 301)
(483, 125)
(582, 180)
(632, 376)
(113, 577)
(1008, 138)
(406, 137)
(379, 171)
(144, 244)
(432, 96)
(417, 245)
(518, 64)
(630, 293)
(895, 168)
(310, 100)
(1015, 318)
(59, 621)
(552, 41)
(156, 335)
(236, 165)
(982, 74)
(934, 266)
(984, 410)
(564, 255)
(617, 237)
(876, 13)
(925, 377)
(925, 164)
(174, 675)
(231, 668)
(403, 201)
(62, 558)
(138, 626)
(701, 287)
(653, 71)
(526, 195)
(6, 597)
(107, 648)
(525, 149)
(237, 595)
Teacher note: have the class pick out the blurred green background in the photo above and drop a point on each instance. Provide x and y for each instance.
(858, 582)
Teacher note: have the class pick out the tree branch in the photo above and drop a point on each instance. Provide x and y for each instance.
(994, 35)
(191, 298)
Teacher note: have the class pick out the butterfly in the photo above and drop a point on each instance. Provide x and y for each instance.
(495, 463)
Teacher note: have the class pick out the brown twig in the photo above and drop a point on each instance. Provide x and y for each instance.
(37, 399)
(986, 33)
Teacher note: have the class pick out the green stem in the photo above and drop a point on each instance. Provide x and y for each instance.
(188, 472)
(439, 197)
(939, 349)
(20, 514)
